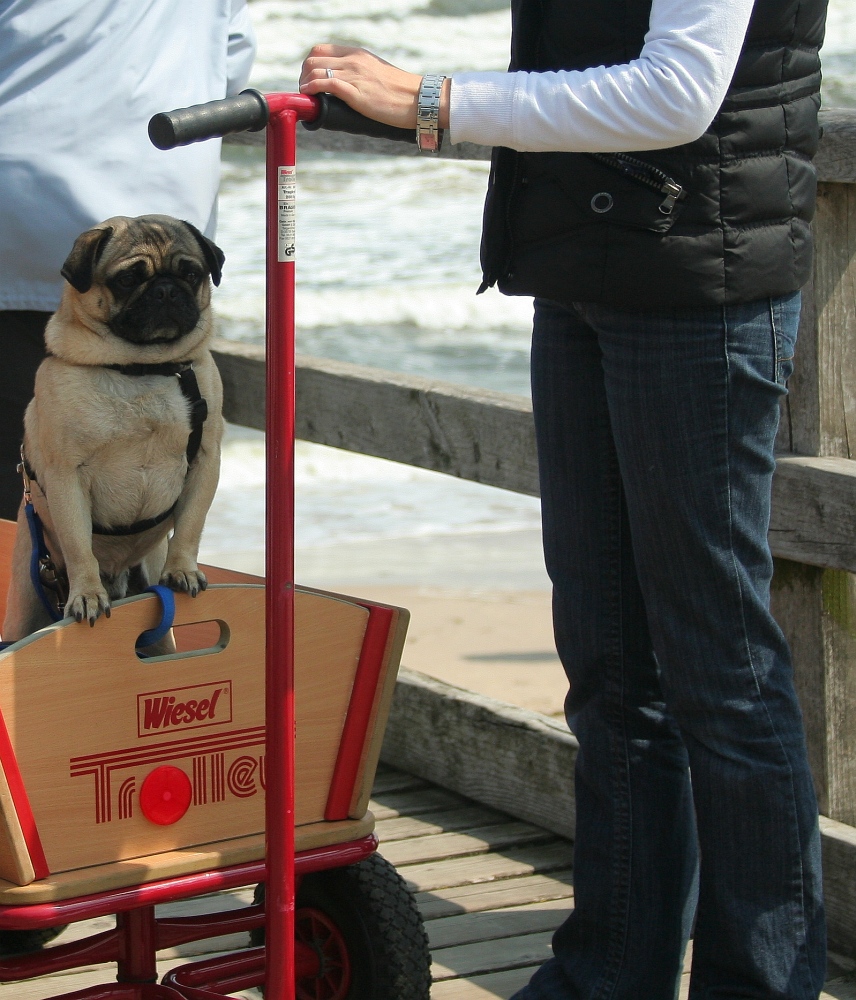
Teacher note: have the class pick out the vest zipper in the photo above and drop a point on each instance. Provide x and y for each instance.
(503, 270)
(506, 267)
(647, 174)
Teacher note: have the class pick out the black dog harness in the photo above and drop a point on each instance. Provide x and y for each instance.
(187, 381)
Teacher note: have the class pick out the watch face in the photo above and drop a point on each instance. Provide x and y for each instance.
(429, 140)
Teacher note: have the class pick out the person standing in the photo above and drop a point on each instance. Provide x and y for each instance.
(652, 189)
(78, 84)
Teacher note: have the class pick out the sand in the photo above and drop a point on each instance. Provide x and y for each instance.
(498, 643)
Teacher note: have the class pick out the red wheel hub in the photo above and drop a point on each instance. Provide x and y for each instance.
(317, 931)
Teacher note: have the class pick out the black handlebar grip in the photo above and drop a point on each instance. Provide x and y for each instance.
(245, 112)
(336, 116)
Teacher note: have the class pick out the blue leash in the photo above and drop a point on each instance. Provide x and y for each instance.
(40, 560)
(152, 635)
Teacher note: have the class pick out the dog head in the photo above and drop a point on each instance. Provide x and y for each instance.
(140, 284)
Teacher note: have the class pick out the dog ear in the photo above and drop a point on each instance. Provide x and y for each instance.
(214, 256)
(80, 263)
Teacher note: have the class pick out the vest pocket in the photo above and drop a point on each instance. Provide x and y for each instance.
(622, 190)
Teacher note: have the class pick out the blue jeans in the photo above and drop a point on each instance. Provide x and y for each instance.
(695, 803)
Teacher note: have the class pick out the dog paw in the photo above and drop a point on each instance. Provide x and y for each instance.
(89, 606)
(186, 581)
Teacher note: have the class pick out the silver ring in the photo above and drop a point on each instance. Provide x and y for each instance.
(329, 73)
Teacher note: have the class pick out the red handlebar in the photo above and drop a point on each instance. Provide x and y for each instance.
(250, 111)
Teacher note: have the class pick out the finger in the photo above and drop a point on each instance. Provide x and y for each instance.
(323, 75)
(317, 70)
(313, 63)
(327, 50)
(337, 88)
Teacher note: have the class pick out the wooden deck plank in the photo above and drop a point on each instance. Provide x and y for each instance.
(511, 921)
(513, 862)
(483, 896)
(389, 805)
(495, 986)
(480, 840)
(52, 986)
(840, 989)
(491, 956)
(228, 899)
(441, 821)
(397, 781)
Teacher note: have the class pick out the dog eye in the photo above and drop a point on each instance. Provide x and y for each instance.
(127, 279)
(191, 275)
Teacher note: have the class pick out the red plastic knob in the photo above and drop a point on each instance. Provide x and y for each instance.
(165, 795)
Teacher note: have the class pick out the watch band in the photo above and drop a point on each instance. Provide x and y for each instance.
(429, 135)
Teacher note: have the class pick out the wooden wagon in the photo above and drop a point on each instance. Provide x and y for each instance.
(126, 781)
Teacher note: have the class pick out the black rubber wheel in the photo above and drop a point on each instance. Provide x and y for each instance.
(26, 942)
(363, 922)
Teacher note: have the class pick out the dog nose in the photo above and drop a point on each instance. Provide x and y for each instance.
(164, 290)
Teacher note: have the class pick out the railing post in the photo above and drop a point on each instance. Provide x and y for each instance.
(817, 607)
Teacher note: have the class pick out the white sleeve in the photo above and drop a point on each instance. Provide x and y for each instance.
(666, 97)
(241, 49)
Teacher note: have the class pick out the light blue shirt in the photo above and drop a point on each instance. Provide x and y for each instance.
(79, 80)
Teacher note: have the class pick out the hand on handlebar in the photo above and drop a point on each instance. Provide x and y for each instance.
(368, 84)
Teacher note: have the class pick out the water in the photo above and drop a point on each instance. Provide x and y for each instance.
(839, 55)
(387, 273)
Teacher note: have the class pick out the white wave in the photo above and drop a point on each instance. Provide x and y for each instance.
(243, 466)
(380, 241)
(440, 313)
(402, 32)
(344, 497)
(405, 32)
(840, 28)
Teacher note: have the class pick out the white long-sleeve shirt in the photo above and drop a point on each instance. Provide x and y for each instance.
(666, 97)
(79, 80)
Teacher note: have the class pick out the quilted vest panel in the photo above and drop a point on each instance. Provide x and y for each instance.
(576, 227)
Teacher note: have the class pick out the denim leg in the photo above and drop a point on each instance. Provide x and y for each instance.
(655, 436)
(631, 916)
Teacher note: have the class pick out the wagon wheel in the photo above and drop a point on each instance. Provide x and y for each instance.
(363, 922)
(25, 942)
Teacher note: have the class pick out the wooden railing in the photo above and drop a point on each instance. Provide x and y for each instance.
(488, 437)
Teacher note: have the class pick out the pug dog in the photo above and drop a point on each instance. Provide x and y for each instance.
(122, 436)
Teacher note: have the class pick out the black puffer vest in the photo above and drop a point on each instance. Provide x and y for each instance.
(575, 227)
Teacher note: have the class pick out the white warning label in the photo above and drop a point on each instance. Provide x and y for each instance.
(286, 189)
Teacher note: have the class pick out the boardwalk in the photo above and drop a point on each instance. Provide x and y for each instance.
(491, 890)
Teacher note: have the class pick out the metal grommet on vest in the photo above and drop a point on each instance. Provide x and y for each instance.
(602, 202)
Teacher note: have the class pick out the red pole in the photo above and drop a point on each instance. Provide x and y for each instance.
(279, 559)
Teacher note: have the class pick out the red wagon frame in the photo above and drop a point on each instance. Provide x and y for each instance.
(139, 933)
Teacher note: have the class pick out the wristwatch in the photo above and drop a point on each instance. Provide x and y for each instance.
(429, 135)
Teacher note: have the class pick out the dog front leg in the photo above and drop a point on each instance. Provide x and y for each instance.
(181, 571)
(71, 525)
